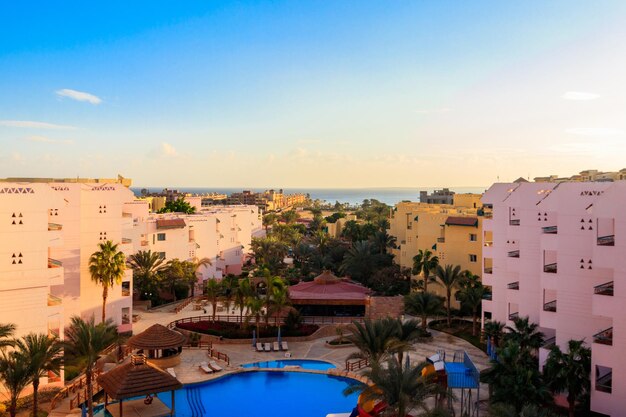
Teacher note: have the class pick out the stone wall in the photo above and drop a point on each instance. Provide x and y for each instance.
(380, 307)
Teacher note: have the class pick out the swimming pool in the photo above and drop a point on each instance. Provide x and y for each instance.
(302, 363)
(265, 394)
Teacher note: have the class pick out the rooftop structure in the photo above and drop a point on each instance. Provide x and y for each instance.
(444, 196)
(587, 176)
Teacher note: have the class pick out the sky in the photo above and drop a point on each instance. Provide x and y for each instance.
(306, 93)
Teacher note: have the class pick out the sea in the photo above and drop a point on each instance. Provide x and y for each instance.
(352, 196)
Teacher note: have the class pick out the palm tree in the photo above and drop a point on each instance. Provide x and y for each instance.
(6, 331)
(106, 267)
(423, 305)
(449, 277)
(271, 284)
(84, 340)
(45, 355)
(255, 306)
(525, 334)
(424, 263)
(15, 374)
(495, 330)
(359, 262)
(569, 372)
(382, 240)
(242, 291)
(400, 386)
(406, 333)
(146, 266)
(213, 289)
(269, 219)
(472, 297)
(280, 299)
(375, 340)
(196, 264)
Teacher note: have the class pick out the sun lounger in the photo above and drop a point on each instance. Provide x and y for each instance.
(205, 367)
(276, 348)
(215, 366)
(267, 347)
(171, 372)
(259, 347)
(284, 346)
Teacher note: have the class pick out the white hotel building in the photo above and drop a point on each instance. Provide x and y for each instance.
(557, 254)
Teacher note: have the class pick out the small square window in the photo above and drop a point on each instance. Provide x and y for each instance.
(473, 237)
(473, 258)
(160, 237)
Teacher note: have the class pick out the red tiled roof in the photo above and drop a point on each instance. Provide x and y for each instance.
(461, 221)
(328, 287)
(170, 223)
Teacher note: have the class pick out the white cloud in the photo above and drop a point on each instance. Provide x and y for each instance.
(28, 124)
(45, 139)
(579, 95)
(431, 111)
(594, 131)
(79, 96)
(167, 149)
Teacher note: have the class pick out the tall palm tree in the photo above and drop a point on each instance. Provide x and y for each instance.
(146, 266)
(255, 306)
(375, 340)
(106, 267)
(280, 299)
(6, 331)
(449, 277)
(406, 332)
(400, 386)
(525, 334)
(195, 264)
(242, 292)
(269, 219)
(359, 262)
(495, 330)
(472, 297)
(213, 289)
(15, 374)
(382, 240)
(45, 355)
(271, 284)
(423, 305)
(569, 372)
(84, 340)
(424, 263)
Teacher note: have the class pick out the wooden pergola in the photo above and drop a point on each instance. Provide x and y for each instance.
(138, 378)
(157, 341)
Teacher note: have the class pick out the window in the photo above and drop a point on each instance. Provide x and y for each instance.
(473, 258)
(473, 237)
(160, 237)
(126, 288)
(161, 255)
(126, 315)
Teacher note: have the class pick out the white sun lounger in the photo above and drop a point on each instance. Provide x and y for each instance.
(259, 347)
(284, 346)
(215, 366)
(267, 347)
(205, 367)
(171, 372)
(276, 347)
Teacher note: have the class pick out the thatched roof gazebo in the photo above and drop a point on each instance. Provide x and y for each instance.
(161, 345)
(135, 379)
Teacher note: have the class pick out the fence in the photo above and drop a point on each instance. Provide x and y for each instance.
(186, 302)
(252, 320)
(219, 355)
(357, 364)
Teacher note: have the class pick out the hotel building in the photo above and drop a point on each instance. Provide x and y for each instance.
(555, 252)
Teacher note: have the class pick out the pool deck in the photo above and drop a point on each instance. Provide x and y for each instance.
(188, 371)
(137, 408)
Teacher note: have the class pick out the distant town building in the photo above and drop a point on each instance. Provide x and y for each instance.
(589, 175)
(444, 196)
(269, 200)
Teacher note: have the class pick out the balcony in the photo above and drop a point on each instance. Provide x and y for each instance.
(126, 241)
(514, 222)
(441, 240)
(551, 230)
(144, 243)
(550, 306)
(53, 300)
(513, 254)
(605, 383)
(488, 270)
(606, 240)
(488, 243)
(605, 337)
(604, 289)
(487, 296)
(127, 215)
(488, 215)
(549, 342)
(53, 263)
(514, 316)
(54, 333)
(550, 268)
(54, 227)
(513, 285)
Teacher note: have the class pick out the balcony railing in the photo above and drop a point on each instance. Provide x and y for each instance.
(514, 222)
(53, 263)
(488, 243)
(441, 239)
(513, 285)
(513, 316)
(604, 289)
(605, 337)
(550, 268)
(553, 230)
(550, 306)
(605, 383)
(126, 241)
(549, 342)
(487, 296)
(54, 226)
(488, 270)
(513, 254)
(606, 240)
(127, 214)
(53, 300)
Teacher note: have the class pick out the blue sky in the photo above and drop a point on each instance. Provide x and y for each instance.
(312, 93)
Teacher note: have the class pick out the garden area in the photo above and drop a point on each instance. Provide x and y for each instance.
(460, 328)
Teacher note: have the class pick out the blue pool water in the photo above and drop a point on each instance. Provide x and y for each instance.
(265, 394)
(303, 363)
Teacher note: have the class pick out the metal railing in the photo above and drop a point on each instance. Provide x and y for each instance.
(513, 285)
(550, 230)
(550, 306)
(185, 303)
(605, 337)
(355, 365)
(550, 268)
(604, 289)
(513, 254)
(606, 240)
(219, 355)
(252, 319)
(514, 222)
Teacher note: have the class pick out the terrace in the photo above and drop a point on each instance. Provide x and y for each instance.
(606, 240)
(604, 289)
(605, 337)
(550, 268)
(550, 306)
